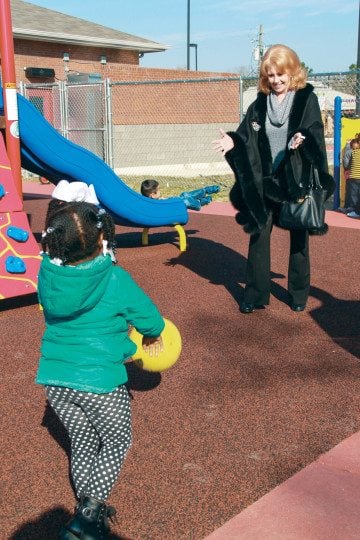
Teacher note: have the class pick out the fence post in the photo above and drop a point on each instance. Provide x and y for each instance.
(64, 109)
(21, 88)
(337, 150)
(241, 83)
(109, 156)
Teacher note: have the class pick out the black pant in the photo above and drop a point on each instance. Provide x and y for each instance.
(257, 288)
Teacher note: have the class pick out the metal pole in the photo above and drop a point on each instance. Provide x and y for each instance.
(195, 46)
(337, 150)
(241, 100)
(188, 35)
(357, 107)
(109, 124)
(10, 94)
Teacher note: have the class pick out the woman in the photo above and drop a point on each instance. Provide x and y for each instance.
(271, 152)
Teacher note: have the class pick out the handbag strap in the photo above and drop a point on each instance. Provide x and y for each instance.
(314, 178)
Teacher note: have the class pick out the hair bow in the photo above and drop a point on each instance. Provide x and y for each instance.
(75, 192)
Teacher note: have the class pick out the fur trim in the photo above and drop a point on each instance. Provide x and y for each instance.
(251, 160)
(246, 196)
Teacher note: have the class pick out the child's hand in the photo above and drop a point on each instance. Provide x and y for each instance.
(153, 346)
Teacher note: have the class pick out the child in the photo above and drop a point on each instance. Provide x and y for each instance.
(193, 199)
(351, 162)
(88, 304)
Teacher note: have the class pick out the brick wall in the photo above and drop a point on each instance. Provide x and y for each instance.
(82, 59)
(198, 102)
(176, 103)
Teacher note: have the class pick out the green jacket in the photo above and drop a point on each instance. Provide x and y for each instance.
(87, 311)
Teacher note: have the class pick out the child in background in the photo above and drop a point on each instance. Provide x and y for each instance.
(88, 304)
(193, 200)
(351, 162)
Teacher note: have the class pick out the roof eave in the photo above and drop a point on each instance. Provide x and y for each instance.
(71, 39)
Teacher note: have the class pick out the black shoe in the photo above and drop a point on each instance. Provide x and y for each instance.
(345, 210)
(298, 307)
(91, 521)
(245, 307)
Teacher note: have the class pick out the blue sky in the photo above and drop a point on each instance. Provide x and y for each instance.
(323, 32)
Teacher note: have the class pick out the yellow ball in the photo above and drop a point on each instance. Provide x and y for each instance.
(166, 359)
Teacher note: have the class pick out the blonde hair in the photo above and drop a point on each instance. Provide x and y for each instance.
(285, 60)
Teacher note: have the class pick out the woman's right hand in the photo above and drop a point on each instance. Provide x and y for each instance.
(224, 144)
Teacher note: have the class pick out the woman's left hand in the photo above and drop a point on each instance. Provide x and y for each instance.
(224, 144)
(296, 141)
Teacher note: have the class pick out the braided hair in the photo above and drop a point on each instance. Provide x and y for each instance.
(73, 230)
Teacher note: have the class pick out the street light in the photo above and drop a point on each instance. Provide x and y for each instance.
(195, 46)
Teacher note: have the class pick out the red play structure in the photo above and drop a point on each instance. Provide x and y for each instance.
(19, 251)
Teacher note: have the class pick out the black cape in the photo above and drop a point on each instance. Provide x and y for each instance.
(258, 189)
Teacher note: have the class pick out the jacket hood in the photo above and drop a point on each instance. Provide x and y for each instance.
(66, 291)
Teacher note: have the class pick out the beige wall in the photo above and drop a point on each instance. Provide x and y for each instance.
(171, 148)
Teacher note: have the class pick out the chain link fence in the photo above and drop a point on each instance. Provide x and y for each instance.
(164, 129)
(326, 86)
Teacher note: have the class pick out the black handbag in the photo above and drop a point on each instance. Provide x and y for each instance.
(307, 212)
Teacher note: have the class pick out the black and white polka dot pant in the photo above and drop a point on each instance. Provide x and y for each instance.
(99, 427)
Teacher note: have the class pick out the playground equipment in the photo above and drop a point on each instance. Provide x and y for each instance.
(167, 358)
(47, 153)
(28, 140)
(19, 252)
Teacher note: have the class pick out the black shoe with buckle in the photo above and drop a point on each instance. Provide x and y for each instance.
(91, 521)
(247, 307)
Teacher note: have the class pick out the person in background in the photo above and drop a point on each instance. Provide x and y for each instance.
(351, 163)
(193, 200)
(88, 305)
(271, 153)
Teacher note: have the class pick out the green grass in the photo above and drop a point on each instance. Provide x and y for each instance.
(173, 186)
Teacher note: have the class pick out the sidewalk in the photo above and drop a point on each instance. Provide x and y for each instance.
(321, 502)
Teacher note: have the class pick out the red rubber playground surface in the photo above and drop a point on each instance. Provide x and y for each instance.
(253, 434)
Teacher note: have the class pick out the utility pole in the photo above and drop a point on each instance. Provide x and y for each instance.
(260, 46)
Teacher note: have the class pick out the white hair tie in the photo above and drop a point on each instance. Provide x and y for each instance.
(108, 251)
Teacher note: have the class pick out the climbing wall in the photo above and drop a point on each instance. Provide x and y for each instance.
(19, 251)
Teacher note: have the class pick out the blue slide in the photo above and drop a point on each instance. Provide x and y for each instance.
(47, 153)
